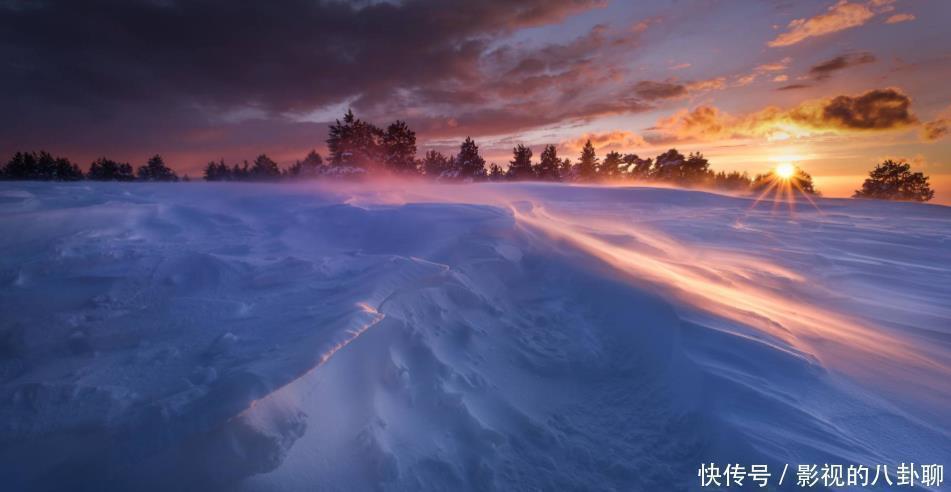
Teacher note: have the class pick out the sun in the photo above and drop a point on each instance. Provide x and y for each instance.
(785, 170)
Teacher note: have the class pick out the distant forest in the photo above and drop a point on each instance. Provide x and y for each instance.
(359, 149)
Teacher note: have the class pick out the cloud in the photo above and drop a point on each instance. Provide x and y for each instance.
(707, 85)
(764, 69)
(875, 110)
(776, 66)
(793, 87)
(897, 18)
(880, 109)
(145, 66)
(650, 90)
(935, 130)
(511, 119)
(781, 78)
(825, 69)
(701, 123)
(605, 142)
(840, 16)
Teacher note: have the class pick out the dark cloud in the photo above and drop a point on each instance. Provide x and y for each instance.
(875, 110)
(86, 70)
(824, 70)
(793, 87)
(879, 109)
(651, 90)
(935, 130)
(297, 53)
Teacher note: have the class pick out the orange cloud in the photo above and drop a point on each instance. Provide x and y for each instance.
(766, 68)
(935, 130)
(615, 140)
(707, 85)
(895, 19)
(875, 110)
(843, 15)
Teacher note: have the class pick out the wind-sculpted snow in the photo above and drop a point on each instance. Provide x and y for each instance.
(410, 336)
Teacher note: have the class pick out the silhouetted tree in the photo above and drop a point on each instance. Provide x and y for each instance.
(265, 169)
(218, 171)
(588, 163)
(672, 166)
(21, 166)
(354, 142)
(892, 180)
(520, 167)
(156, 170)
(496, 173)
(696, 169)
(668, 166)
(732, 181)
(103, 169)
(611, 166)
(310, 167)
(566, 170)
(548, 166)
(241, 173)
(61, 169)
(435, 164)
(638, 168)
(399, 148)
(469, 165)
(41, 167)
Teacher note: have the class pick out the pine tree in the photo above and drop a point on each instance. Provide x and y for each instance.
(21, 166)
(520, 167)
(696, 169)
(496, 173)
(241, 173)
(43, 167)
(588, 163)
(566, 171)
(399, 148)
(435, 164)
(217, 171)
(548, 167)
(668, 166)
(156, 170)
(103, 169)
(312, 164)
(892, 180)
(265, 169)
(732, 180)
(469, 165)
(638, 168)
(355, 142)
(611, 166)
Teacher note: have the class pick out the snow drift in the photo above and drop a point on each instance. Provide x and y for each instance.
(299, 337)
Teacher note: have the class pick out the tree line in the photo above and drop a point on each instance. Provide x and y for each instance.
(42, 166)
(357, 148)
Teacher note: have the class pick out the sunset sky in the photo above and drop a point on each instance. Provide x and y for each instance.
(834, 87)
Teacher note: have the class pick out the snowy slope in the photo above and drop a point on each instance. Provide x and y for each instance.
(409, 336)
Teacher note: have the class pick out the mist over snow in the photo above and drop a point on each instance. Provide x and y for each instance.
(401, 336)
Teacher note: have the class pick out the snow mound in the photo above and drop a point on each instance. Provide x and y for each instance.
(364, 336)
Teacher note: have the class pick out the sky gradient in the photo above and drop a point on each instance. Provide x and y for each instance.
(834, 87)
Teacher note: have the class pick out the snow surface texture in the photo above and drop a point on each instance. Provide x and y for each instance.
(476, 337)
